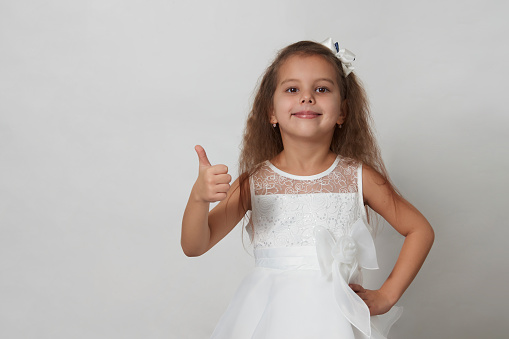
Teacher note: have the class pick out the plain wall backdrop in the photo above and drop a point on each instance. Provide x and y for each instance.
(102, 102)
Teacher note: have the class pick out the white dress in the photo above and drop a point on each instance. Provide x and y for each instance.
(310, 240)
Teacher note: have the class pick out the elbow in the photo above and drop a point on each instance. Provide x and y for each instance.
(193, 244)
(424, 234)
(427, 235)
(431, 236)
(191, 252)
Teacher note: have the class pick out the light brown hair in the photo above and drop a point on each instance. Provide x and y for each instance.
(355, 140)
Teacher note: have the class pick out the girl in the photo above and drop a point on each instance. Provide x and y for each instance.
(309, 165)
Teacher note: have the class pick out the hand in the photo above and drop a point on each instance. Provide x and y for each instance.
(376, 300)
(213, 182)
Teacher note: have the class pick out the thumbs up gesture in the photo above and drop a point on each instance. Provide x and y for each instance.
(213, 182)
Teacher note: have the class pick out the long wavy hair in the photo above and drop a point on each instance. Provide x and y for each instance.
(355, 140)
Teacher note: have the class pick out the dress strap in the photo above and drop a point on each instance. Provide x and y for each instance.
(248, 226)
(361, 195)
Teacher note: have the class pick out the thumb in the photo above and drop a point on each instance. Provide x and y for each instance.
(202, 156)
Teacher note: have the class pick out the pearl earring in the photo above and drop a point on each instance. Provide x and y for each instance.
(274, 125)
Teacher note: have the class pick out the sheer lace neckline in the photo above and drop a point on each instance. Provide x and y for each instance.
(303, 177)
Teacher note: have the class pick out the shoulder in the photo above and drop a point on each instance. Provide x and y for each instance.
(261, 170)
(347, 164)
(370, 175)
(248, 181)
(264, 165)
(376, 188)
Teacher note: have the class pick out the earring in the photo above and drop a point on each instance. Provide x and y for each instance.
(340, 125)
(274, 125)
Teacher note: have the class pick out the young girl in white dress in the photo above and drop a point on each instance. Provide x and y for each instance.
(309, 166)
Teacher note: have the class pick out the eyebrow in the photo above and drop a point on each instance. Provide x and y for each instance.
(321, 79)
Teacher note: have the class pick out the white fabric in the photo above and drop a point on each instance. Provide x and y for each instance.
(346, 56)
(311, 240)
(342, 261)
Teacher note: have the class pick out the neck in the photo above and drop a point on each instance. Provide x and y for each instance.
(304, 157)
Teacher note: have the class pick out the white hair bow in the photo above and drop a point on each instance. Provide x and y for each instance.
(342, 54)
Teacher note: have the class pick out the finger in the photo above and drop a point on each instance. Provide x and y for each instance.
(223, 178)
(202, 156)
(222, 188)
(363, 296)
(357, 288)
(219, 196)
(219, 169)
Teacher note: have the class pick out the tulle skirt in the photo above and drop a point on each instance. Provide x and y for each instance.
(286, 296)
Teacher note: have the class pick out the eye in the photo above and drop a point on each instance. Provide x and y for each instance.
(322, 90)
(292, 90)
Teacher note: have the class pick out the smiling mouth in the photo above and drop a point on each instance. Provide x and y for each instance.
(306, 114)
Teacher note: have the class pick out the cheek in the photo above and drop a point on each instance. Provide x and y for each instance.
(280, 104)
(336, 105)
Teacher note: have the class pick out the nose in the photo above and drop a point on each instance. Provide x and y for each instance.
(307, 98)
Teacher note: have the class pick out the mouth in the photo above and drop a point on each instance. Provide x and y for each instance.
(306, 114)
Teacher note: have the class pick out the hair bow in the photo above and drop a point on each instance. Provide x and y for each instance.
(342, 54)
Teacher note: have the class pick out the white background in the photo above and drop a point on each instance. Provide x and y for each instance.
(102, 102)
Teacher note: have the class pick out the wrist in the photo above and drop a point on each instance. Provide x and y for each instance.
(390, 295)
(197, 198)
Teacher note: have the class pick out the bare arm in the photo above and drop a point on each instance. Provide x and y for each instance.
(202, 229)
(409, 222)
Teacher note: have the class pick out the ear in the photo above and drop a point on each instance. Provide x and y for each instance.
(343, 112)
(273, 119)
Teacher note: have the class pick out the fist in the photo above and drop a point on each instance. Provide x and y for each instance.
(376, 300)
(213, 182)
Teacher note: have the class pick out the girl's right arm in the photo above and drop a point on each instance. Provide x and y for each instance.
(201, 230)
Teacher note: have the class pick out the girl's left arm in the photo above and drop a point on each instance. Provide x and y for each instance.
(409, 222)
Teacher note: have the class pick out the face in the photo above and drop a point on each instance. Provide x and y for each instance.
(307, 101)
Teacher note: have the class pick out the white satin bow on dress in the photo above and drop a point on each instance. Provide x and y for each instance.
(341, 261)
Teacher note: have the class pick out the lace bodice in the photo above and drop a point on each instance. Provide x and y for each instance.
(286, 208)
